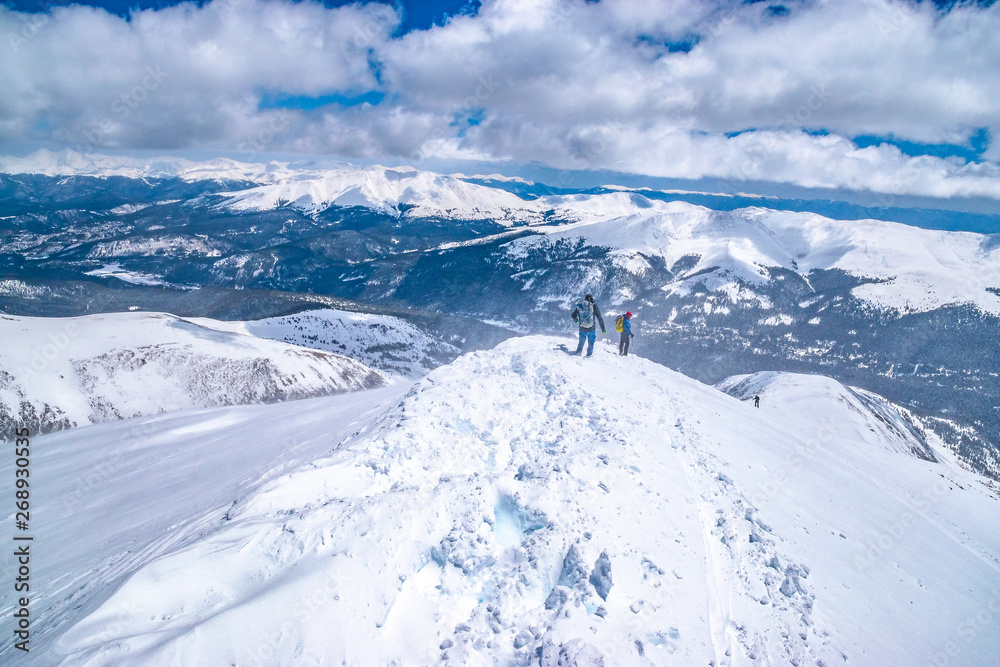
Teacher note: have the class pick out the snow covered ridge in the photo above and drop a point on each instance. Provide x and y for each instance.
(895, 427)
(61, 372)
(521, 506)
(71, 163)
(407, 192)
(309, 190)
(390, 344)
(390, 191)
(909, 269)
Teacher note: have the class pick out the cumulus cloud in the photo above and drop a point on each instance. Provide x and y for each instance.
(678, 88)
(181, 76)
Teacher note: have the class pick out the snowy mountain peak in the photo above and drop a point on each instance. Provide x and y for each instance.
(904, 269)
(386, 190)
(524, 506)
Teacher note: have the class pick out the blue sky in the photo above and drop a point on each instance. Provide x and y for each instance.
(887, 96)
(417, 15)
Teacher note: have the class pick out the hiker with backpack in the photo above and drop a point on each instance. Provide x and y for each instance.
(585, 314)
(624, 327)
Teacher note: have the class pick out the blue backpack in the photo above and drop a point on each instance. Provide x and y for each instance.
(586, 316)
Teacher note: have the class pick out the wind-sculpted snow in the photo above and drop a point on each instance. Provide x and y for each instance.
(525, 507)
(62, 372)
(112, 497)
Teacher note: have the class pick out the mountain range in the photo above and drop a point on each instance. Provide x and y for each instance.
(283, 415)
(892, 308)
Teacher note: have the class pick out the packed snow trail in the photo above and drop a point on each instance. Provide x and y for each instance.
(522, 506)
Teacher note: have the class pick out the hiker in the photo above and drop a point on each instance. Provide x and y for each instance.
(584, 314)
(756, 401)
(624, 327)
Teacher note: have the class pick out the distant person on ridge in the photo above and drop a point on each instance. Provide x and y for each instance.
(756, 401)
(624, 327)
(585, 313)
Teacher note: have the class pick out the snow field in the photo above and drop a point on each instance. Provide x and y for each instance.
(522, 506)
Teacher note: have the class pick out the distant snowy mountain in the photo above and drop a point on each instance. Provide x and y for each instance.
(307, 189)
(61, 372)
(395, 191)
(520, 506)
(904, 269)
(71, 163)
(391, 191)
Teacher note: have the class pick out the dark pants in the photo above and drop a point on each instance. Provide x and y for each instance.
(589, 337)
(623, 344)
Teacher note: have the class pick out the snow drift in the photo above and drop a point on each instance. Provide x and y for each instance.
(61, 372)
(522, 506)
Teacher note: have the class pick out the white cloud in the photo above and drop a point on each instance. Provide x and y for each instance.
(563, 82)
(178, 76)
